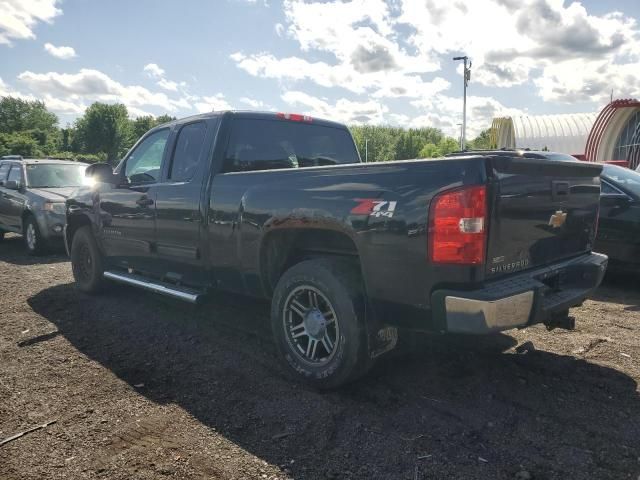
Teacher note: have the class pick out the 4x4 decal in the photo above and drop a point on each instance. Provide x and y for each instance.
(374, 207)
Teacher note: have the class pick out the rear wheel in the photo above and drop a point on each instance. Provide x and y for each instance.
(86, 261)
(33, 239)
(317, 318)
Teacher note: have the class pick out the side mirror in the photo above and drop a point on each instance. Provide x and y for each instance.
(101, 172)
(12, 185)
(614, 200)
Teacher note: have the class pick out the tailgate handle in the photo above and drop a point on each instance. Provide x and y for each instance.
(559, 190)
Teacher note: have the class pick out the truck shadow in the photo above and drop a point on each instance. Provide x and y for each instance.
(620, 287)
(12, 250)
(446, 410)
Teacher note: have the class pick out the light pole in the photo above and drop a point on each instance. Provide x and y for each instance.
(366, 150)
(466, 76)
(460, 137)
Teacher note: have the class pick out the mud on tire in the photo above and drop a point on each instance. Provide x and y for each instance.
(317, 318)
(86, 261)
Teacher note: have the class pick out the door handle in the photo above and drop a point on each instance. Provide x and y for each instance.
(145, 202)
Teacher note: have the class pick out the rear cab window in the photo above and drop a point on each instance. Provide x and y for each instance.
(15, 174)
(264, 144)
(4, 170)
(188, 151)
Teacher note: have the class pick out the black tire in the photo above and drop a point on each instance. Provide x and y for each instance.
(337, 287)
(86, 261)
(34, 242)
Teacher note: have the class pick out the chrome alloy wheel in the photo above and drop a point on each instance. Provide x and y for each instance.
(311, 325)
(31, 236)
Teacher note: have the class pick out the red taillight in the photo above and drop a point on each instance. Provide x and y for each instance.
(457, 226)
(295, 117)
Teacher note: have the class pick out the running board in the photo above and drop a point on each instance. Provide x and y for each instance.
(181, 293)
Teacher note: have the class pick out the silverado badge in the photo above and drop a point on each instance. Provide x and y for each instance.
(557, 219)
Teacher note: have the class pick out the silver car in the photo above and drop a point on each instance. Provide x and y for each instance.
(32, 196)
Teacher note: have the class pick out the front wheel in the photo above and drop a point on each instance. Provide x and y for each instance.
(86, 261)
(33, 239)
(317, 318)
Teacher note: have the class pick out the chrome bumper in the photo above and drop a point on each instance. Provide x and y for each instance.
(467, 315)
(519, 300)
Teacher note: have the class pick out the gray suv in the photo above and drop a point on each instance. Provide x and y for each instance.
(32, 196)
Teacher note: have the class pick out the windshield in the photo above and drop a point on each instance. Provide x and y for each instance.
(623, 177)
(52, 175)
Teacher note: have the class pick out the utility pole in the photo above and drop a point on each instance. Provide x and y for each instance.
(466, 76)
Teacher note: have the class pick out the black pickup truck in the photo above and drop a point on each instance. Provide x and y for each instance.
(278, 206)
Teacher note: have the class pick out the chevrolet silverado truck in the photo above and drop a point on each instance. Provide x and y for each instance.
(279, 206)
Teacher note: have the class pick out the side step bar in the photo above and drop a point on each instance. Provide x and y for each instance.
(181, 293)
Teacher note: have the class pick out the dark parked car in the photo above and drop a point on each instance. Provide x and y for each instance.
(278, 206)
(32, 195)
(619, 227)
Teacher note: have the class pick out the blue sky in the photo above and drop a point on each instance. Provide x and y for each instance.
(359, 61)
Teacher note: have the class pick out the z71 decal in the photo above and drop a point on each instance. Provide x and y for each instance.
(374, 207)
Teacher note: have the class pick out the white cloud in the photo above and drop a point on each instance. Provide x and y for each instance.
(213, 103)
(386, 49)
(168, 85)
(359, 36)
(153, 70)
(445, 112)
(54, 104)
(64, 53)
(343, 110)
(383, 84)
(255, 104)
(532, 36)
(19, 17)
(92, 85)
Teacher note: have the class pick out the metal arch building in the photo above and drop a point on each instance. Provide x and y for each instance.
(616, 134)
(565, 133)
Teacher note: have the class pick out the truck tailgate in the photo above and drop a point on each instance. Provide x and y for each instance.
(541, 211)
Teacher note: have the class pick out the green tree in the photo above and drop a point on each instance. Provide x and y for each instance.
(448, 145)
(103, 129)
(18, 115)
(141, 125)
(482, 141)
(430, 150)
(19, 143)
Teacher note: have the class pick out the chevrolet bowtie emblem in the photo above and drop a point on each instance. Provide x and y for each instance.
(557, 219)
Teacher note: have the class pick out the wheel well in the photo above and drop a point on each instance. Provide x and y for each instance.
(73, 224)
(284, 248)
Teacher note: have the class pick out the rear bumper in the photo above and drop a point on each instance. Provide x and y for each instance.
(525, 299)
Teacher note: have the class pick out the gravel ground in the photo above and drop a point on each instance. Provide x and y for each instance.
(143, 387)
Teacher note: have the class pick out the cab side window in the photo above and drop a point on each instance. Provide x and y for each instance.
(606, 188)
(144, 164)
(15, 174)
(188, 152)
(4, 170)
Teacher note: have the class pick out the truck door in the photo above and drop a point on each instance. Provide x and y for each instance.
(4, 201)
(14, 200)
(179, 219)
(127, 211)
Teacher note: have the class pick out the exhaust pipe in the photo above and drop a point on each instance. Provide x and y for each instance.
(169, 290)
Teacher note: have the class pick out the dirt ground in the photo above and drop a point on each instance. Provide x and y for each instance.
(144, 387)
